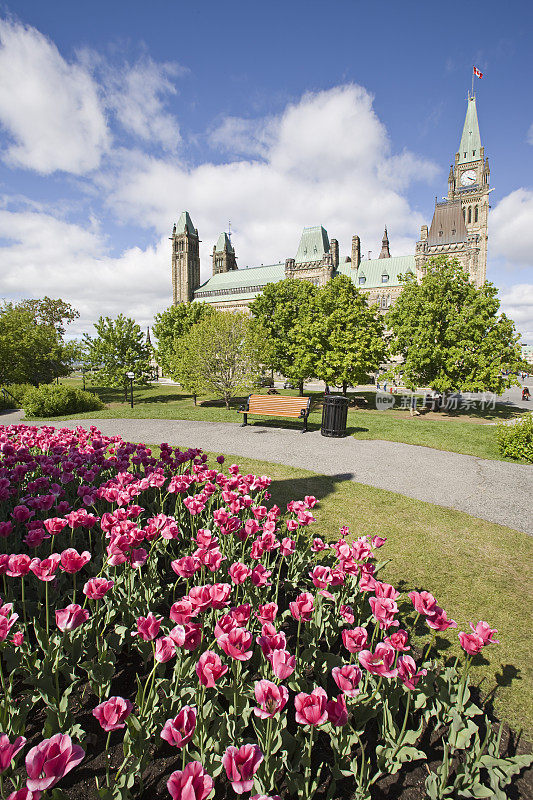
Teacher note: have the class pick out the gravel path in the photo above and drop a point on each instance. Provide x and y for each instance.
(493, 490)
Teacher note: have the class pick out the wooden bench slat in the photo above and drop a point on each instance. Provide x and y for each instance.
(277, 406)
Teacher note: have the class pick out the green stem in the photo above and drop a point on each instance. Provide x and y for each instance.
(24, 606)
(402, 732)
(430, 645)
(74, 590)
(46, 604)
(152, 673)
(107, 758)
(308, 765)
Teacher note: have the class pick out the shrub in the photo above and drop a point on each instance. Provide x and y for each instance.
(51, 401)
(273, 661)
(516, 441)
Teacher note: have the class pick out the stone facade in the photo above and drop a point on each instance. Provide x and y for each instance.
(185, 260)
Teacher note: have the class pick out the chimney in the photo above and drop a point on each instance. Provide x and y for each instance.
(356, 252)
(334, 250)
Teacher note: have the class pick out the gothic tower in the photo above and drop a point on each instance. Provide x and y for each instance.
(224, 259)
(460, 222)
(185, 260)
(385, 252)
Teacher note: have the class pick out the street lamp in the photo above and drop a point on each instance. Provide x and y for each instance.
(131, 376)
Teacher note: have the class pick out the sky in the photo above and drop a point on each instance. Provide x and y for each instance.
(115, 117)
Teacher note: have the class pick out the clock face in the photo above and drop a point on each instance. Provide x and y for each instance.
(468, 178)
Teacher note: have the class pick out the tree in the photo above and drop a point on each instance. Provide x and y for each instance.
(171, 325)
(450, 335)
(53, 312)
(283, 312)
(346, 334)
(119, 347)
(218, 355)
(31, 350)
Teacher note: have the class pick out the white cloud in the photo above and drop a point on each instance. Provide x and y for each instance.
(49, 107)
(511, 229)
(517, 303)
(325, 160)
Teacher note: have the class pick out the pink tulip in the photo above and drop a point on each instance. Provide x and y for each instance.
(138, 558)
(72, 561)
(383, 610)
(186, 567)
(192, 783)
(241, 614)
(424, 602)
(165, 649)
(380, 662)
(51, 760)
(193, 635)
(24, 794)
(181, 611)
(347, 679)
(177, 634)
(260, 575)
(235, 644)
(45, 570)
(282, 662)
(311, 709)
(219, 593)
(318, 545)
(71, 617)
(18, 565)
(439, 621)
(148, 627)
(238, 572)
(271, 639)
(337, 711)
(471, 643)
(346, 612)
(179, 731)
(354, 639)
(241, 765)
(271, 699)
(200, 597)
(302, 608)
(112, 713)
(386, 590)
(17, 638)
(267, 612)
(483, 630)
(96, 588)
(399, 640)
(262, 797)
(9, 751)
(210, 668)
(407, 672)
(321, 576)
(55, 525)
(287, 547)
(377, 541)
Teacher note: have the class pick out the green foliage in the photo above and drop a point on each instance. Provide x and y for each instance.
(15, 394)
(346, 334)
(31, 349)
(53, 312)
(450, 334)
(170, 327)
(51, 401)
(516, 440)
(218, 355)
(119, 347)
(284, 314)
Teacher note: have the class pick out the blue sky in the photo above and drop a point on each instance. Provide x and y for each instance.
(116, 116)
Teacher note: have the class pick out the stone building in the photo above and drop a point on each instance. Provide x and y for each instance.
(458, 228)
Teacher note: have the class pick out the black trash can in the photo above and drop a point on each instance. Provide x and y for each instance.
(334, 414)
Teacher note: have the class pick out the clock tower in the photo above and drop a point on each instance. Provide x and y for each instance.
(460, 222)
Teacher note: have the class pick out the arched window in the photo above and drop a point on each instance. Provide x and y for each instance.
(384, 278)
(464, 214)
(470, 213)
(475, 214)
(362, 280)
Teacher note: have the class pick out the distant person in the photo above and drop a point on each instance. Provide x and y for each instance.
(525, 393)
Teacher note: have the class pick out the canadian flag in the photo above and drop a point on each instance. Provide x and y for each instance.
(478, 73)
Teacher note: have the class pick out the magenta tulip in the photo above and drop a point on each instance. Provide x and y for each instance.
(235, 644)
(24, 794)
(383, 610)
(71, 617)
(9, 751)
(347, 679)
(399, 640)
(209, 669)
(241, 765)
(311, 709)
(51, 760)
(165, 649)
(96, 588)
(72, 561)
(471, 643)
(424, 602)
(148, 627)
(354, 639)
(238, 572)
(179, 731)
(18, 565)
(112, 713)
(283, 664)
(271, 699)
(380, 662)
(302, 608)
(193, 783)
(45, 570)
(337, 711)
(407, 672)
(482, 629)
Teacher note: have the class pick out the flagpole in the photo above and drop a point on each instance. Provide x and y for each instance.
(472, 80)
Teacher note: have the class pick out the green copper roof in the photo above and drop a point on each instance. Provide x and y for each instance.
(313, 245)
(470, 147)
(223, 243)
(239, 284)
(185, 224)
(374, 270)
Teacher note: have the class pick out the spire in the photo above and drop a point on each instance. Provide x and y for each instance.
(148, 340)
(385, 252)
(470, 147)
(185, 224)
(224, 243)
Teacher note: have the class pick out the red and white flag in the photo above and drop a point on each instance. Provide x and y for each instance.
(477, 72)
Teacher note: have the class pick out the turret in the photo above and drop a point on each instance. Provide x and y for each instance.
(224, 259)
(385, 252)
(185, 260)
(356, 252)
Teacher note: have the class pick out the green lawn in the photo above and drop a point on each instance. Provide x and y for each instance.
(457, 432)
(477, 570)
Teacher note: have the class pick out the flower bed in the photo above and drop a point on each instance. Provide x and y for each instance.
(161, 612)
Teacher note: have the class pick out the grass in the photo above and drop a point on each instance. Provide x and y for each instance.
(477, 570)
(458, 432)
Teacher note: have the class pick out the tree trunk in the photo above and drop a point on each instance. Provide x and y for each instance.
(226, 400)
(301, 388)
(194, 399)
(344, 388)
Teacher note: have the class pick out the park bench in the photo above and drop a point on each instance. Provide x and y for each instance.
(277, 406)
